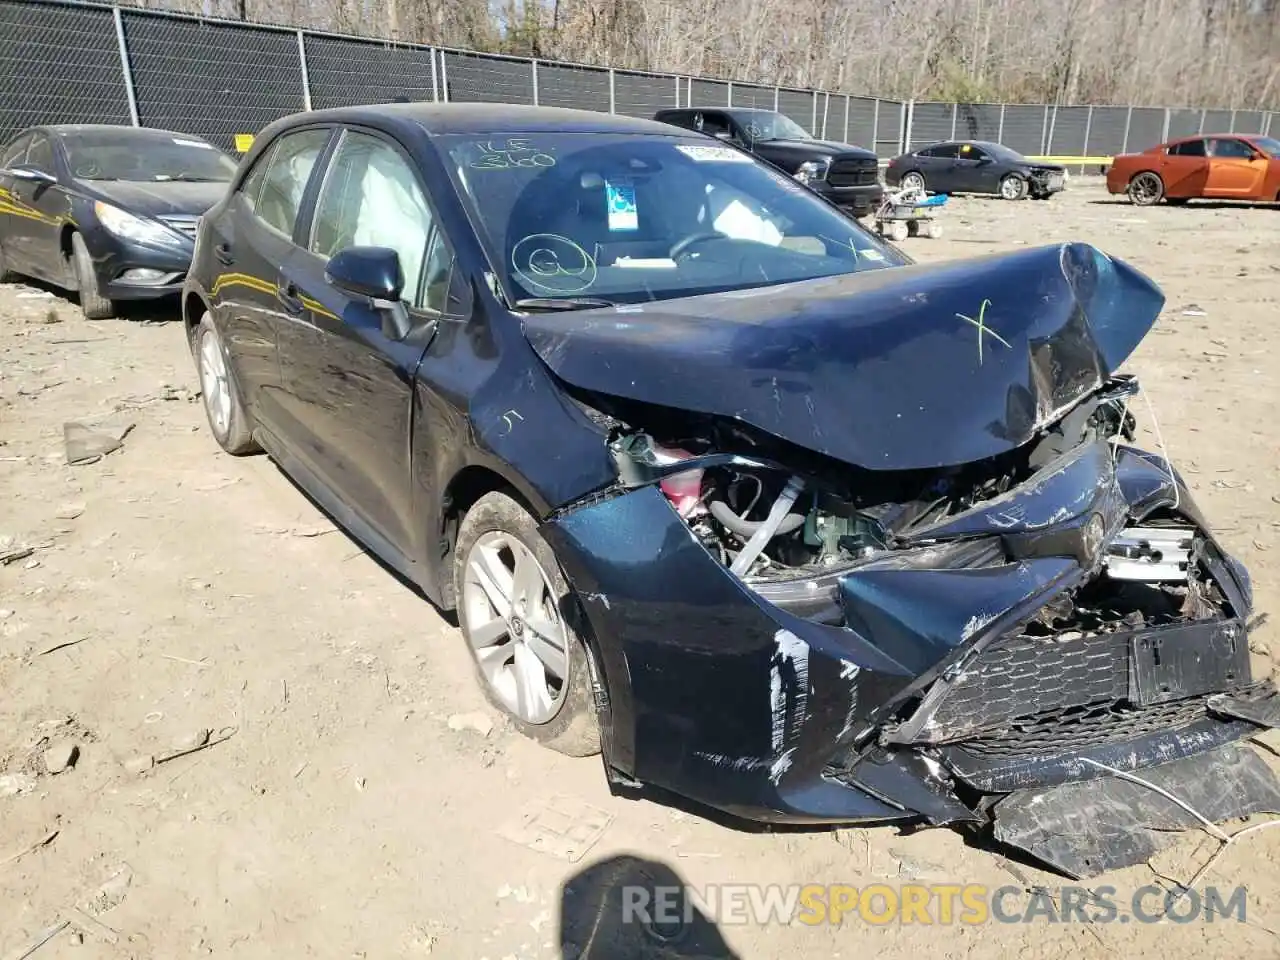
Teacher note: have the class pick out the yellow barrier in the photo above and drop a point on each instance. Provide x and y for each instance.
(1075, 161)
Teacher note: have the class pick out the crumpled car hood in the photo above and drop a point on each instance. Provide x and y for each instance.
(900, 368)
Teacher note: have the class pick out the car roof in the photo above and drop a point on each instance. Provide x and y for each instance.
(142, 133)
(485, 118)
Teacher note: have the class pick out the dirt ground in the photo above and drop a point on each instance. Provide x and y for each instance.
(355, 805)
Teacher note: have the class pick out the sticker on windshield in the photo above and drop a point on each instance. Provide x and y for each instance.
(712, 154)
(621, 201)
(192, 143)
(875, 255)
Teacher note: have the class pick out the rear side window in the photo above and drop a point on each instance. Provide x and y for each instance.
(285, 178)
(15, 152)
(1192, 148)
(945, 152)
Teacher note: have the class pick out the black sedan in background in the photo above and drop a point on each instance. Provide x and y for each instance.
(721, 485)
(976, 166)
(107, 211)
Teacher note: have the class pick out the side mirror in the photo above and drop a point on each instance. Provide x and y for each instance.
(31, 175)
(373, 273)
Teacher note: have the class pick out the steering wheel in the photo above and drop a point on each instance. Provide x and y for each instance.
(695, 238)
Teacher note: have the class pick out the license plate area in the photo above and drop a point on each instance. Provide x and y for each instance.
(1187, 661)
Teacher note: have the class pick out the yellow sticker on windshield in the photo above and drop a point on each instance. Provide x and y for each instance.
(244, 142)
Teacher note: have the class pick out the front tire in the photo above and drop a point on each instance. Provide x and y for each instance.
(94, 305)
(1013, 187)
(521, 622)
(222, 402)
(1146, 189)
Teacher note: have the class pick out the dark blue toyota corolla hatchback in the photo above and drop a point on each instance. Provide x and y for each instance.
(721, 485)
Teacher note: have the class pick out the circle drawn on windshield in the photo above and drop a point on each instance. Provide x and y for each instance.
(553, 263)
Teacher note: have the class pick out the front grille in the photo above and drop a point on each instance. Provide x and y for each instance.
(1022, 676)
(853, 173)
(184, 225)
(1076, 729)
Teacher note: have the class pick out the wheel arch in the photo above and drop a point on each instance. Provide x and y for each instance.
(467, 485)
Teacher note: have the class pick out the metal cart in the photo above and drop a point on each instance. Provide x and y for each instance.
(909, 213)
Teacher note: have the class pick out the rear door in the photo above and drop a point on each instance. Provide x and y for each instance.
(942, 174)
(1184, 169)
(252, 240)
(1236, 169)
(10, 212)
(50, 208)
(350, 383)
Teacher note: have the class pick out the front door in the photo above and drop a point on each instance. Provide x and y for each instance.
(39, 208)
(969, 169)
(350, 380)
(1236, 169)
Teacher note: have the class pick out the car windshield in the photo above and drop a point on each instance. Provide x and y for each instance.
(127, 156)
(771, 126)
(1269, 144)
(628, 219)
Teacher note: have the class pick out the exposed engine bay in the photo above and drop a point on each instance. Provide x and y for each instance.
(783, 533)
(852, 569)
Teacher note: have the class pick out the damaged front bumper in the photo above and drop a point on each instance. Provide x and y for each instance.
(938, 682)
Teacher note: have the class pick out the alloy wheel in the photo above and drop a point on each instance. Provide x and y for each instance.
(213, 383)
(515, 631)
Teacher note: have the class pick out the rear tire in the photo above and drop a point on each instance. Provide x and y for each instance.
(6, 276)
(1146, 189)
(223, 406)
(498, 536)
(912, 180)
(94, 305)
(1013, 187)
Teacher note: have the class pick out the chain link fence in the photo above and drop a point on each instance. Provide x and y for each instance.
(68, 62)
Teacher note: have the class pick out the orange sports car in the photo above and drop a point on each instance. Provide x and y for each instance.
(1221, 166)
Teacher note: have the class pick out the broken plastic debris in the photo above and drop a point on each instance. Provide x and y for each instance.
(84, 444)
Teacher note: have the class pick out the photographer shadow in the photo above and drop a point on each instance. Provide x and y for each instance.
(631, 908)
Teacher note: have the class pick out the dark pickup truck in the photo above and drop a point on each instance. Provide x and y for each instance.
(846, 175)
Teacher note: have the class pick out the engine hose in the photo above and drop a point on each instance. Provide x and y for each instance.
(747, 528)
(769, 529)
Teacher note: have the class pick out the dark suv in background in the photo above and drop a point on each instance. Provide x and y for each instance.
(846, 175)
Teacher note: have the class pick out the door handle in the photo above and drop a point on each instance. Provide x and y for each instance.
(223, 252)
(289, 294)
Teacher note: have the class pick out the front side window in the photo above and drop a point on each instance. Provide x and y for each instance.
(145, 157)
(286, 176)
(1270, 144)
(946, 151)
(371, 198)
(1232, 149)
(630, 219)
